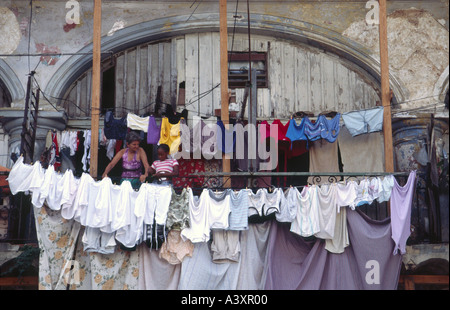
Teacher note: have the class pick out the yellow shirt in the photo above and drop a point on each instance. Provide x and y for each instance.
(170, 135)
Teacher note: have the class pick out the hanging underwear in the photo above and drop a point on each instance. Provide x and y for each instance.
(323, 128)
(364, 121)
(297, 132)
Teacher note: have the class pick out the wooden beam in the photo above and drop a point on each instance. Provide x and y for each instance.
(409, 281)
(23, 281)
(95, 91)
(385, 89)
(224, 81)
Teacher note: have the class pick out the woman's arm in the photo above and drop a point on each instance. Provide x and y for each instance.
(113, 162)
(144, 160)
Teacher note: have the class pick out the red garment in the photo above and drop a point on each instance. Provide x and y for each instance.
(188, 167)
(55, 160)
(264, 130)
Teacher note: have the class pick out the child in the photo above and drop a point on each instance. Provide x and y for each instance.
(164, 168)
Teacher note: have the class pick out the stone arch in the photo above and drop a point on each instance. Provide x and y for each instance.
(163, 28)
(11, 82)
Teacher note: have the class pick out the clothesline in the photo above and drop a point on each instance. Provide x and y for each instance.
(119, 212)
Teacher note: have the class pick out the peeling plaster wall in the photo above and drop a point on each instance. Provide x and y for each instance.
(10, 33)
(418, 48)
(418, 39)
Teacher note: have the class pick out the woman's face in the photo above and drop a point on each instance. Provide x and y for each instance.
(133, 146)
(162, 155)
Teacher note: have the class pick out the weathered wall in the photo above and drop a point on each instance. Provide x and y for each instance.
(412, 32)
(418, 51)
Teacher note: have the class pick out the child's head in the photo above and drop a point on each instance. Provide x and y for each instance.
(163, 151)
(133, 140)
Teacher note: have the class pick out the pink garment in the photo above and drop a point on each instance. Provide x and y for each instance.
(401, 202)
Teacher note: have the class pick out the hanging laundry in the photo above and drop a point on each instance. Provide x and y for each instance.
(279, 134)
(199, 215)
(219, 209)
(69, 140)
(387, 183)
(155, 273)
(96, 241)
(323, 157)
(322, 128)
(364, 121)
(98, 210)
(347, 194)
(327, 206)
(199, 272)
(175, 249)
(175, 133)
(296, 132)
(315, 268)
(178, 212)
(54, 160)
(239, 204)
(306, 222)
(340, 240)
(22, 175)
(135, 122)
(87, 146)
(288, 206)
(401, 204)
(153, 131)
(115, 128)
(131, 225)
(362, 152)
(225, 246)
(168, 136)
(263, 205)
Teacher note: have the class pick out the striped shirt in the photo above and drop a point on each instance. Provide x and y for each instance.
(165, 165)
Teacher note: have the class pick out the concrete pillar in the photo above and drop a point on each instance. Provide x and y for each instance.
(12, 124)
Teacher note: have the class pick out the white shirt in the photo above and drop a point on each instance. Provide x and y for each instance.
(264, 203)
(136, 122)
(121, 210)
(346, 194)
(219, 209)
(129, 234)
(288, 206)
(96, 214)
(327, 211)
(198, 215)
(70, 188)
(386, 188)
(22, 175)
(80, 203)
(306, 222)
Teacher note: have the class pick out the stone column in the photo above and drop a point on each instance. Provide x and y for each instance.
(12, 124)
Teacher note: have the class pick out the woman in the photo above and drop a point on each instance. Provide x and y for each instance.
(164, 167)
(133, 156)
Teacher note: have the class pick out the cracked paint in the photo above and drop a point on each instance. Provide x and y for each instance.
(48, 60)
(10, 33)
(418, 50)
